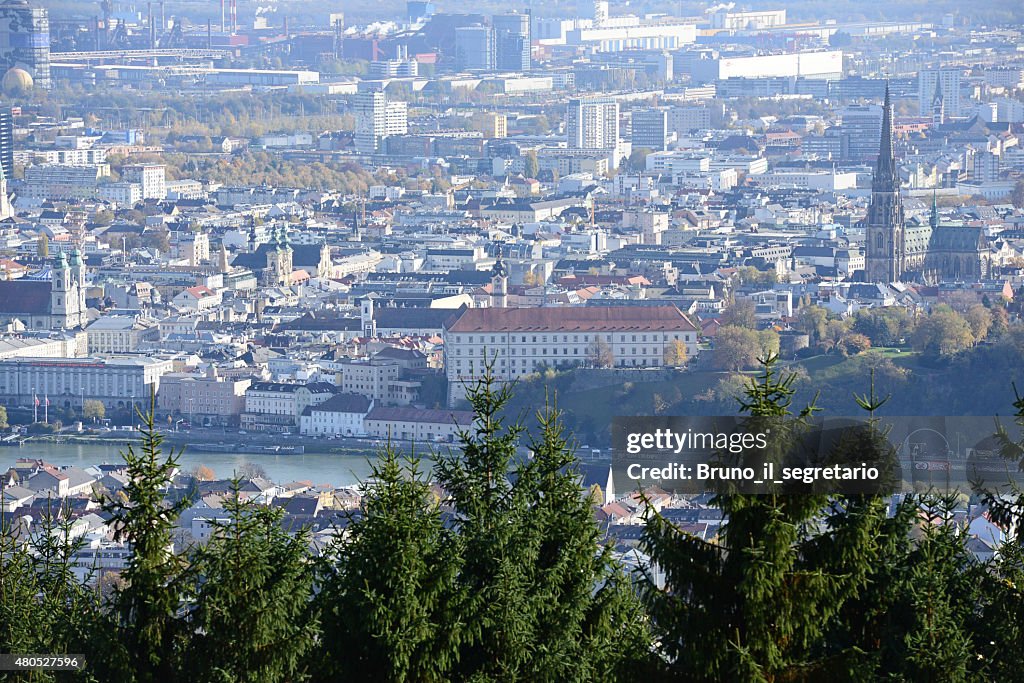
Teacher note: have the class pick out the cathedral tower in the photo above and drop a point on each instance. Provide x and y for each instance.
(885, 232)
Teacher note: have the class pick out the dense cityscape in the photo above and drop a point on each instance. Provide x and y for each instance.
(270, 240)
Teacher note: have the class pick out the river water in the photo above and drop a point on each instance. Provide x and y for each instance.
(319, 468)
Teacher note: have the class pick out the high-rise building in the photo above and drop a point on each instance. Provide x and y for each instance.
(944, 81)
(592, 123)
(650, 129)
(682, 120)
(152, 178)
(376, 119)
(475, 48)
(7, 142)
(512, 38)
(25, 40)
(861, 127)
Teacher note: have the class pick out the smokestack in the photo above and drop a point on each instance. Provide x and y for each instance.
(209, 34)
(163, 16)
(234, 17)
(152, 28)
(223, 28)
(286, 27)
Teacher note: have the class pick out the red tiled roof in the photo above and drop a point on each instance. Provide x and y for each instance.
(573, 319)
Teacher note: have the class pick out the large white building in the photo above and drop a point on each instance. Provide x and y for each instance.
(152, 178)
(521, 341)
(415, 424)
(56, 181)
(592, 123)
(638, 36)
(116, 381)
(746, 21)
(341, 415)
(121, 333)
(376, 119)
(276, 406)
(820, 64)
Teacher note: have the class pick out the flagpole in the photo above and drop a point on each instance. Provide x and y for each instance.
(46, 408)
(35, 406)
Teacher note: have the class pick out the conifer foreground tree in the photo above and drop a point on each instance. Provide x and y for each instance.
(146, 643)
(386, 589)
(537, 595)
(251, 621)
(756, 605)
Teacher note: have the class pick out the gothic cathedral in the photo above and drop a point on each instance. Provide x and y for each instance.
(927, 254)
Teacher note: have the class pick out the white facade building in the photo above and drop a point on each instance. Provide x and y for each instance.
(522, 341)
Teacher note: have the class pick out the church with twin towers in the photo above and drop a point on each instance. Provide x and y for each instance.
(926, 253)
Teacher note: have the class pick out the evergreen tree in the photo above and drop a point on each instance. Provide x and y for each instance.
(146, 604)
(538, 598)
(251, 614)
(386, 594)
(756, 604)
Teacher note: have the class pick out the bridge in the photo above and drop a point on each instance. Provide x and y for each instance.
(178, 53)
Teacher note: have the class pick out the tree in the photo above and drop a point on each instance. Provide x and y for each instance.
(980, 320)
(93, 409)
(749, 275)
(756, 604)
(599, 353)
(1000, 321)
(835, 331)
(252, 583)
(736, 348)
(539, 597)
(251, 470)
(530, 166)
(43, 246)
(3, 417)
(397, 570)
(741, 313)
(675, 353)
(812, 321)
(157, 239)
(883, 326)
(768, 343)
(202, 473)
(943, 333)
(148, 636)
(854, 343)
(1017, 196)
(638, 159)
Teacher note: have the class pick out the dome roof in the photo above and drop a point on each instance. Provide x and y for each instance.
(17, 80)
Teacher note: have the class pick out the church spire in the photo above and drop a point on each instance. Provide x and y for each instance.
(933, 220)
(886, 179)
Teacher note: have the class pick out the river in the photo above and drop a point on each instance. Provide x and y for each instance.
(320, 468)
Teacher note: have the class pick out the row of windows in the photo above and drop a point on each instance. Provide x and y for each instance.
(543, 338)
(529, 367)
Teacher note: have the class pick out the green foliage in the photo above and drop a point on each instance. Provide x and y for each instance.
(93, 410)
(883, 326)
(538, 598)
(737, 348)
(942, 333)
(251, 621)
(145, 606)
(740, 314)
(756, 604)
(396, 572)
